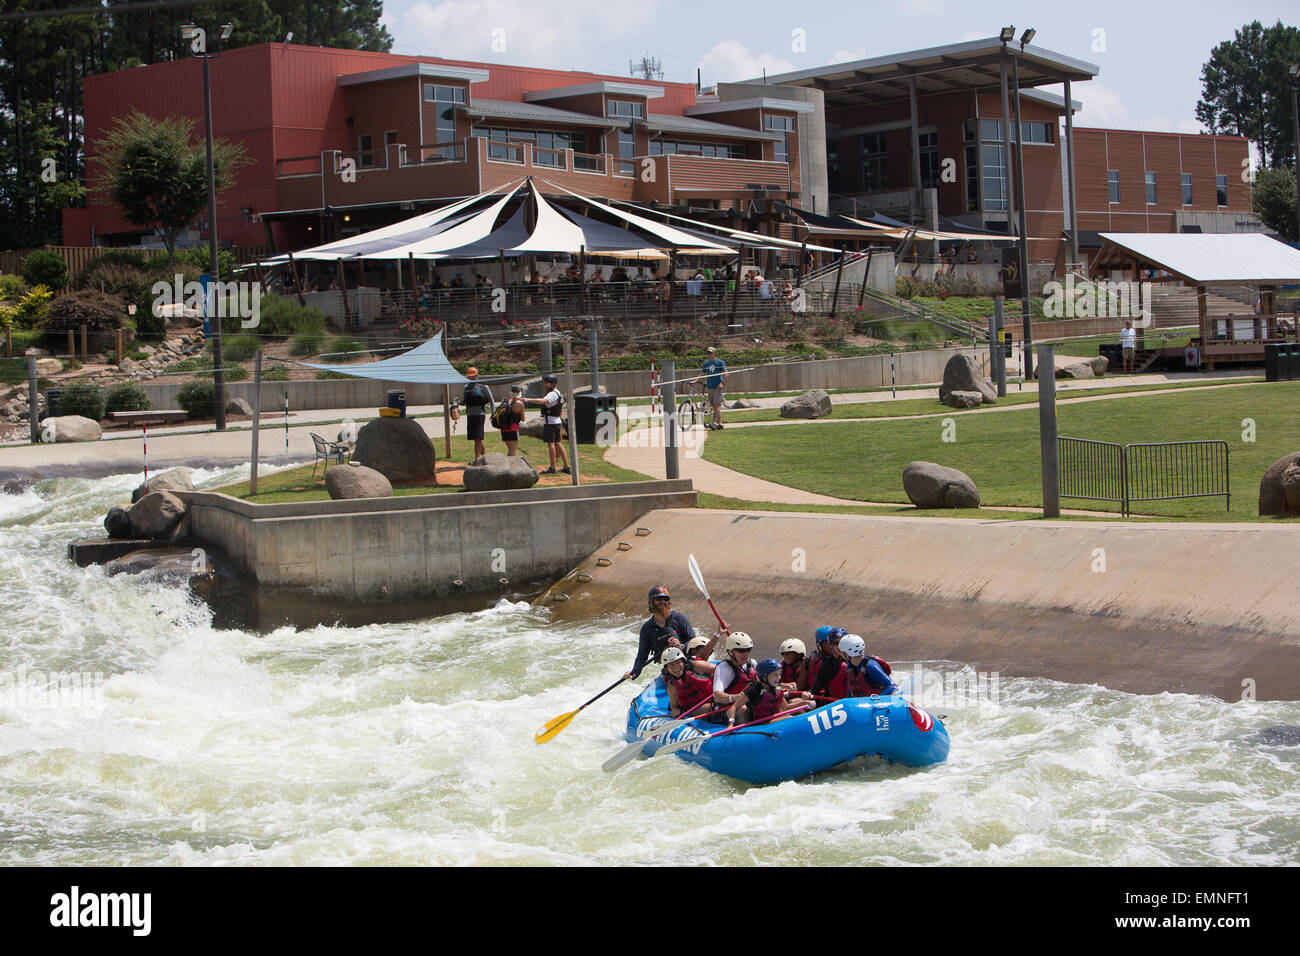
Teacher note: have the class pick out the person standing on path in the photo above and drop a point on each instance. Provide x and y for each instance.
(1128, 342)
(513, 416)
(715, 371)
(552, 405)
(477, 399)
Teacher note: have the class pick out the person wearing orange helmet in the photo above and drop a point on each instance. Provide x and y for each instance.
(478, 401)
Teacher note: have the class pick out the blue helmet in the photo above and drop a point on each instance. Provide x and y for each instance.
(829, 632)
(766, 666)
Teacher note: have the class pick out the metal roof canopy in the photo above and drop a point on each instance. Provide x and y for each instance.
(1203, 259)
(971, 66)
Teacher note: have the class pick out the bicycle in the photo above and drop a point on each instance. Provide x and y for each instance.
(693, 407)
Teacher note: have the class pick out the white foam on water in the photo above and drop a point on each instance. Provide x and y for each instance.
(412, 743)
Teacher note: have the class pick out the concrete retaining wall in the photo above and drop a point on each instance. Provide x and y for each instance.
(868, 371)
(334, 560)
(1148, 608)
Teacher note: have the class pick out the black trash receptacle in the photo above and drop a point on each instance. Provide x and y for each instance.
(1272, 358)
(52, 396)
(1291, 363)
(397, 399)
(595, 415)
(1114, 354)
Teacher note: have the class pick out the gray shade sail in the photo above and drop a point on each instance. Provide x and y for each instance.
(426, 364)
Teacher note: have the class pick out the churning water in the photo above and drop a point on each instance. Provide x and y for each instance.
(412, 744)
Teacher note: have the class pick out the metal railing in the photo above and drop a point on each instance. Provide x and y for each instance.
(1143, 471)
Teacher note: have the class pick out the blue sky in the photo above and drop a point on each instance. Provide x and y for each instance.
(1149, 53)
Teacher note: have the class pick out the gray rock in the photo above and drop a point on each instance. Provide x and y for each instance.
(179, 478)
(355, 480)
(960, 399)
(1291, 488)
(813, 404)
(398, 449)
(933, 486)
(498, 472)
(962, 374)
(742, 403)
(1272, 493)
(1077, 370)
(156, 515)
(74, 428)
(1100, 365)
(118, 522)
(45, 367)
(533, 428)
(1280, 735)
(237, 406)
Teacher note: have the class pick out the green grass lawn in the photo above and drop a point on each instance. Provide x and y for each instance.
(864, 461)
(298, 484)
(931, 406)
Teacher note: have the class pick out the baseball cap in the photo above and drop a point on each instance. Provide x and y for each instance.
(710, 349)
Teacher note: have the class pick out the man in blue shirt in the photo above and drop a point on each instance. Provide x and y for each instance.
(716, 371)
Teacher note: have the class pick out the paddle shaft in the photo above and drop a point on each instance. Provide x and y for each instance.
(683, 744)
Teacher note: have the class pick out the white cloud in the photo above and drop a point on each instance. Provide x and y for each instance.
(848, 56)
(729, 61)
(559, 34)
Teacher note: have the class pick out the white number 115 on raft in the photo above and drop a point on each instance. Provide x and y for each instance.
(826, 719)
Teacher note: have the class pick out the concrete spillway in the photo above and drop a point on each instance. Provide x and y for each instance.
(1146, 608)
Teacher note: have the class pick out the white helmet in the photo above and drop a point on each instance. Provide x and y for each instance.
(794, 646)
(739, 641)
(696, 641)
(852, 645)
(672, 654)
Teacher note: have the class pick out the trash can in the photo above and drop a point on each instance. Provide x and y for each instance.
(52, 396)
(1114, 354)
(1272, 358)
(1293, 362)
(397, 400)
(594, 415)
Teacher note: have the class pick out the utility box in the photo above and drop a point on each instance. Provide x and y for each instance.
(594, 413)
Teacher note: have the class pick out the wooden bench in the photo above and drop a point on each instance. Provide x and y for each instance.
(156, 416)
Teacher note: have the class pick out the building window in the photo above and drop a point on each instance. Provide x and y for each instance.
(1151, 189)
(365, 151)
(833, 167)
(875, 162)
(623, 108)
(445, 100)
(1112, 184)
(686, 148)
(929, 142)
(972, 178)
(1187, 189)
(783, 125)
(1034, 132)
(1221, 190)
(994, 170)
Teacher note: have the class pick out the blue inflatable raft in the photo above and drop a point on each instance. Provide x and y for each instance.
(891, 727)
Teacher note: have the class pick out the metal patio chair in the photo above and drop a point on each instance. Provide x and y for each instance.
(328, 451)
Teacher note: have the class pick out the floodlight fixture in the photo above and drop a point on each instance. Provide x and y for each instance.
(1027, 36)
(1008, 34)
(188, 31)
(227, 29)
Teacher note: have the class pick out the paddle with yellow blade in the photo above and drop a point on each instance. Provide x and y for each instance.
(550, 729)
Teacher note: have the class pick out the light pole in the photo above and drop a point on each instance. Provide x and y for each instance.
(1295, 120)
(1020, 195)
(197, 39)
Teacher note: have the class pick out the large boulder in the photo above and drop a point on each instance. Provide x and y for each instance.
(1273, 487)
(398, 449)
(179, 478)
(933, 486)
(118, 522)
(814, 404)
(237, 406)
(1100, 365)
(156, 515)
(355, 480)
(1077, 370)
(532, 428)
(963, 374)
(498, 472)
(74, 428)
(45, 367)
(742, 403)
(960, 399)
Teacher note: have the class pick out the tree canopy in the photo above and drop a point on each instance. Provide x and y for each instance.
(1246, 89)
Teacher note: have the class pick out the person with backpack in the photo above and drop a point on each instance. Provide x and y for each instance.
(552, 404)
(507, 417)
(477, 400)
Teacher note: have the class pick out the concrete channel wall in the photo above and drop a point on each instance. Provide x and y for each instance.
(867, 371)
(331, 560)
(1146, 608)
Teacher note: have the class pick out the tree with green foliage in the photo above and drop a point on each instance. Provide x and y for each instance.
(1273, 198)
(46, 268)
(156, 172)
(1246, 89)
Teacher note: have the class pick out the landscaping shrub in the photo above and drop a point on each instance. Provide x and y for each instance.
(344, 348)
(283, 316)
(198, 398)
(304, 345)
(240, 348)
(323, 374)
(276, 373)
(102, 314)
(45, 268)
(82, 398)
(127, 397)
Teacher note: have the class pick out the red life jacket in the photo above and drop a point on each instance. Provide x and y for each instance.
(838, 686)
(742, 679)
(767, 704)
(691, 688)
(856, 681)
(790, 672)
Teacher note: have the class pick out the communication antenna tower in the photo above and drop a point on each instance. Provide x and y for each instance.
(648, 69)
